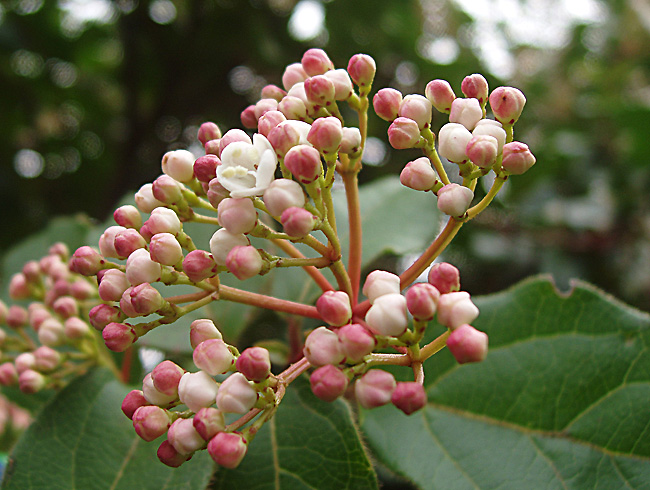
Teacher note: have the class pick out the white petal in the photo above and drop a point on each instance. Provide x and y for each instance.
(240, 153)
(266, 169)
(261, 144)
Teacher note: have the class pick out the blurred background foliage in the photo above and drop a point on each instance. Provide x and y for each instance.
(93, 92)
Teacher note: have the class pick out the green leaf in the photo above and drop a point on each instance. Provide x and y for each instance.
(82, 441)
(560, 402)
(309, 444)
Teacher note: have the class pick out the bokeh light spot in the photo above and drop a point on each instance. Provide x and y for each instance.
(162, 12)
(29, 163)
(307, 20)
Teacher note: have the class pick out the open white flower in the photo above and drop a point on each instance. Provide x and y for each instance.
(247, 170)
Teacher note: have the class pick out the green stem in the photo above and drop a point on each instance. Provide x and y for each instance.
(435, 346)
(351, 183)
(485, 202)
(433, 157)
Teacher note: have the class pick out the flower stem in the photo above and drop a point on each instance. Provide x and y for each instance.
(480, 206)
(263, 301)
(351, 183)
(313, 272)
(434, 346)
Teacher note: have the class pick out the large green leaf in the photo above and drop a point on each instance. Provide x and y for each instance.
(82, 441)
(562, 400)
(309, 444)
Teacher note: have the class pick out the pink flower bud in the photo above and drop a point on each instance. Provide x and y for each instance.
(31, 271)
(409, 397)
(316, 62)
(197, 390)
(168, 455)
(167, 190)
(350, 141)
(232, 136)
(374, 388)
(422, 301)
(150, 422)
(128, 241)
(205, 168)
(293, 73)
(51, 333)
(293, 108)
(517, 158)
(326, 134)
(270, 120)
(113, 285)
(144, 199)
(165, 249)
(456, 309)
(213, 357)
(254, 363)
(107, 241)
(199, 265)
(141, 300)
(140, 268)
(8, 374)
(248, 118)
(60, 249)
(328, 383)
(179, 165)
(418, 108)
(213, 147)
(227, 449)
(222, 242)
(482, 150)
(387, 315)
(379, 283)
(25, 361)
(37, 314)
(166, 376)
(362, 69)
(334, 308)
(441, 95)
(237, 215)
(282, 194)
(263, 106)
(17, 316)
(418, 175)
(454, 199)
(386, 103)
(468, 344)
(273, 92)
(322, 346)
(304, 163)
(453, 139)
(507, 103)
(319, 90)
(132, 401)
(31, 382)
(244, 262)
(492, 128)
(403, 133)
(288, 134)
(444, 277)
(118, 336)
(184, 437)
(75, 328)
(216, 192)
(236, 395)
(66, 306)
(102, 315)
(154, 396)
(297, 222)
(86, 261)
(46, 359)
(475, 86)
(356, 342)
(201, 330)
(208, 131)
(162, 220)
(208, 422)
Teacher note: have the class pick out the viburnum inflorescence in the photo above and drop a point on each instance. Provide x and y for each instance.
(274, 187)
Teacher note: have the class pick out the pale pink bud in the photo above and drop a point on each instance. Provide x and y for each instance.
(293, 73)
(456, 309)
(236, 395)
(444, 277)
(113, 285)
(273, 92)
(453, 139)
(403, 133)
(326, 134)
(154, 396)
(19, 287)
(254, 363)
(418, 175)
(475, 86)
(140, 268)
(168, 455)
(128, 241)
(167, 190)
(144, 199)
(422, 301)
(66, 306)
(216, 192)
(31, 271)
(482, 150)
(8, 374)
(288, 134)
(293, 108)
(334, 308)
(517, 158)
(208, 422)
(454, 199)
(237, 215)
(362, 69)
(165, 249)
(199, 265)
(304, 163)
(263, 106)
(222, 242)
(375, 388)
(387, 315)
(468, 344)
(184, 437)
(144, 298)
(418, 108)
(197, 390)
(282, 194)
(166, 376)
(492, 128)
(297, 222)
(233, 135)
(201, 330)
(342, 83)
(60, 249)
(61, 287)
(17, 316)
(379, 283)
(248, 118)
(386, 103)
(208, 131)
(25, 361)
(244, 262)
(322, 346)
(51, 333)
(107, 241)
(102, 315)
(31, 382)
(298, 90)
(227, 449)
(132, 401)
(179, 165)
(507, 103)
(118, 336)
(150, 422)
(86, 261)
(319, 90)
(409, 397)
(316, 62)
(270, 120)
(441, 95)
(356, 342)
(213, 357)
(205, 168)
(467, 112)
(328, 383)
(350, 140)
(46, 359)
(75, 328)
(162, 220)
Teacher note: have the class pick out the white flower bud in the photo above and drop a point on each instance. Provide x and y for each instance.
(454, 199)
(452, 142)
(179, 165)
(387, 315)
(467, 112)
(456, 309)
(197, 390)
(222, 242)
(140, 268)
(379, 283)
(236, 395)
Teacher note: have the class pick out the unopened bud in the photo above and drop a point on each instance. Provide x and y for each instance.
(213, 357)
(66, 306)
(316, 62)
(262, 107)
(254, 363)
(236, 395)
(387, 315)
(150, 422)
(17, 316)
(482, 150)
(342, 83)
(197, 390)
(31, 382)
(244, 262)
(362, 69)
(237, 215)
(441, 95)
(323, 346)
(132, 401)
(379, 283)
(227, 449)
(184, 437)
(144, 199)
(456, 309)
(128, 241)
(356, 342)
(101, 315)
(328, 382)
(167, 190)
(205, 168)
(86, 261)
(444, 277)
(386, 103)
(288, 134)
(418, 108)
(270, 120)
(128, 216)
(165, 378)
(374, 388)
(418, 175)
(140, 268)
(208, 422)
(46, 359)
(297, 222)
(51, 333)
(232, 136)
(422, 301)
(475, 86)
(293, 73)
(162, 220)
(165, 249)
(403, 133)
(507, 103)
(222, 242)
(492, 128)
(467, 112)
(208, 131)
(304, 163)
(107, 241)
(409, 397)
(454, 199)
(282, 194)
(19, 287)
(334, 308)
(8, 374)
(273, 92)
(319, 90)
(168, 455)
(201, 330)
(118, 336)
(326, 134)
(179, 165)
(517, 158)
(292, 108)
(453, 139)
(199, 265)
(75, 328)
(350, 141)
(468, 344)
